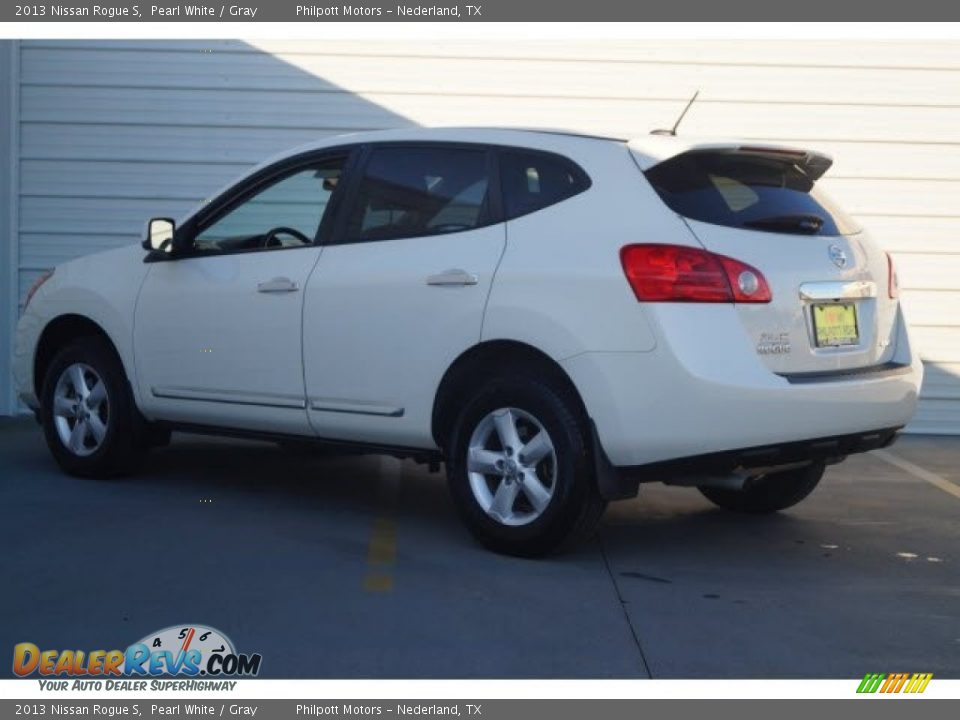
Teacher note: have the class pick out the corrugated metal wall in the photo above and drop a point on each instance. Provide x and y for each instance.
(111, 133)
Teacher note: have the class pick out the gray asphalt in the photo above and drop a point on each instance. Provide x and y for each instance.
(358, 567)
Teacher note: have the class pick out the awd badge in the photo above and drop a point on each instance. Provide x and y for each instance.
(774, 344)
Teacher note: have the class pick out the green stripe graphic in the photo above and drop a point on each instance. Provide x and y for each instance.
(871, 682)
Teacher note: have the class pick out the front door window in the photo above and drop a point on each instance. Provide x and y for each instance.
(287, 213)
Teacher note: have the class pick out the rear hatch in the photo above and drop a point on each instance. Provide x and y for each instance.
(831, 309)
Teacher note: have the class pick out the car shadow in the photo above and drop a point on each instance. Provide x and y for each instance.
(320, 481)
(236, 468)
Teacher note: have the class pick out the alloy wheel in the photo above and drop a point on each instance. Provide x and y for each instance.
(512, 466)
(81, 409)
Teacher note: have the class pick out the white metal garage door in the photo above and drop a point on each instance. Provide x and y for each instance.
(110, 133)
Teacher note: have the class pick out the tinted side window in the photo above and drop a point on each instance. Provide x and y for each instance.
(532, 181)
(287, 212)
(415, 191)
(753, 193)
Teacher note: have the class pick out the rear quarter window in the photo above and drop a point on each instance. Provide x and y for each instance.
(531, 181)
(753, 193)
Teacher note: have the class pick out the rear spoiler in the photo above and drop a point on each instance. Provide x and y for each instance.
(653, 150)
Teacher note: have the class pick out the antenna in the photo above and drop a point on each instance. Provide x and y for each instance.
(673, 130)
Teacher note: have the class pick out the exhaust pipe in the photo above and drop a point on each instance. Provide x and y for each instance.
(736, 480)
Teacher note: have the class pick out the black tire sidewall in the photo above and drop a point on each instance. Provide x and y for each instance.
(574, 482)
(117, 452)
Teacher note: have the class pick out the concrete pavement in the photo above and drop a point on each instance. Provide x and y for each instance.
(358, 567)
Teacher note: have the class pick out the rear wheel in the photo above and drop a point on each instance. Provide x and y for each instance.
(89, 419)
(768, 493)
(519, 468)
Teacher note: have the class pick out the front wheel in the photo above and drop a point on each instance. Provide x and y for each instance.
(90, 422)
(519, 466)
(768, 493)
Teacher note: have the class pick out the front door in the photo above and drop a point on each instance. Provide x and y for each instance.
(218, 328)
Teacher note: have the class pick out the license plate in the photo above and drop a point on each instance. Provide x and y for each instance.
(835, 324)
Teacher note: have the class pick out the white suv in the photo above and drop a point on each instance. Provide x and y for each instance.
(556, 317)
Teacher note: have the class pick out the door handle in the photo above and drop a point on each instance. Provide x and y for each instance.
(452, 277)
(278, 285)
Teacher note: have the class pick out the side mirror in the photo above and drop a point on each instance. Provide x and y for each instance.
(159, 235)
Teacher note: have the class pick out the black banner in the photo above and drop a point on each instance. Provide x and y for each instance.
(317, 11)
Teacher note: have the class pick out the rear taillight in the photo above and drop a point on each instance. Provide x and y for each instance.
(893, 282)
(675, 273)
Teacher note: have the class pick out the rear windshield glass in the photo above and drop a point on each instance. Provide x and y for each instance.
(753, 193)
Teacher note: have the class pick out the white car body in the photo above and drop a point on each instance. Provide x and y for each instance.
(358, 351)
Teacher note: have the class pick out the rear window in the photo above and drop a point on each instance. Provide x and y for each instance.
(753, 193)
(532, 181)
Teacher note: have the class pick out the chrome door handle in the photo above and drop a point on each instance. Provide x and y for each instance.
(452, 277)
(278, 285)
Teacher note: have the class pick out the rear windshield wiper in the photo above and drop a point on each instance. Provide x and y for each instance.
(802, 224)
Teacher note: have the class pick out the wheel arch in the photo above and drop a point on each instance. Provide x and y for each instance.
(58, 333)
(483, 361)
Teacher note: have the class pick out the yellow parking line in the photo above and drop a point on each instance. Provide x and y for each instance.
(918, 472)
(375, 583)
(382, 548)
(383, 543)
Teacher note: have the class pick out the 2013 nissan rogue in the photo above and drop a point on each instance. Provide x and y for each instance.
(556, 317)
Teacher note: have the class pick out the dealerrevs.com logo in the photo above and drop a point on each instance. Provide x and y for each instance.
(180, 650)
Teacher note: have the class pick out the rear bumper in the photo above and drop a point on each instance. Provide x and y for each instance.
(827, 449)
(709, 398)
(621, 483)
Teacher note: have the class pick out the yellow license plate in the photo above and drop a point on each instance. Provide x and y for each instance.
(835, 324)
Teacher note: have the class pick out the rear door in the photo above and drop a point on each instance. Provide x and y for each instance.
(831, 308)
(401, 292)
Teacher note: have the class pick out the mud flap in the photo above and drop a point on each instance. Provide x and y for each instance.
(612, 484)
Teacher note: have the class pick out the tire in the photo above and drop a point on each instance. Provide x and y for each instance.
(115, 437)
(530, 524)
(769, 493)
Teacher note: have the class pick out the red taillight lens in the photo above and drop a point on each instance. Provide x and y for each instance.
(893, 282)
(747, 283)
(670, 272)
(675, 273)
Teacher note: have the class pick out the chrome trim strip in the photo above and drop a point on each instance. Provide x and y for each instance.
(838, 290)
(229, 397)
(355, 408)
